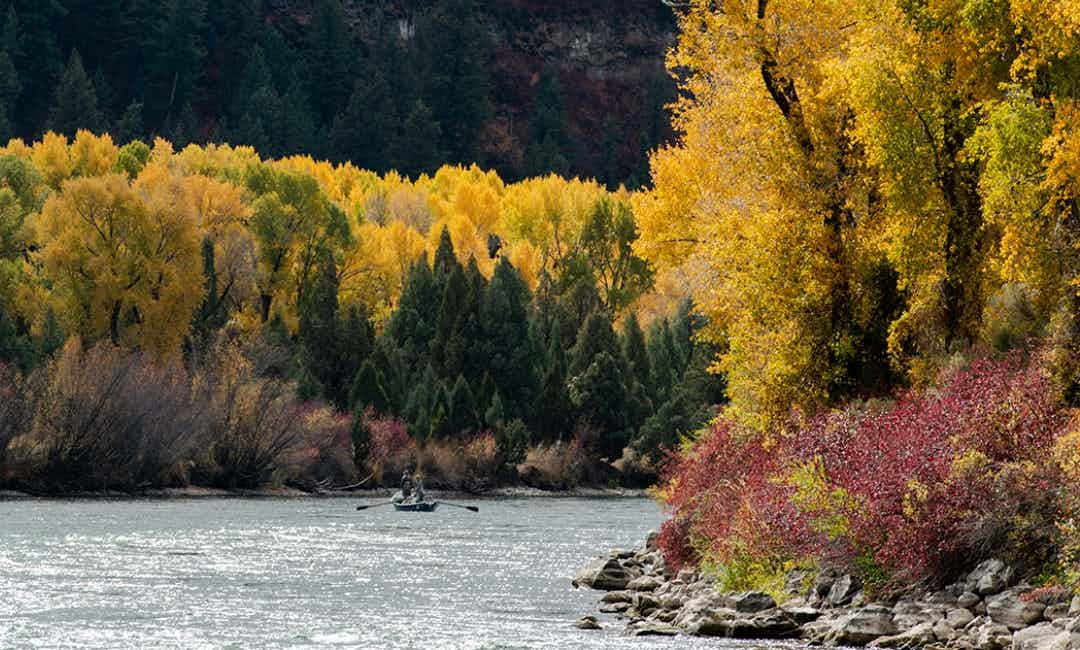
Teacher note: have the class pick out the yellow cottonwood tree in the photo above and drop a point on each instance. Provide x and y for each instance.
(123, 261)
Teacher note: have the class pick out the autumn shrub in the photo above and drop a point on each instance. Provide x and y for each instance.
(561, 465)
(323, 458)
(918, 487)
(391, 449)
(106, 418)
(471, 464)
(16, 413)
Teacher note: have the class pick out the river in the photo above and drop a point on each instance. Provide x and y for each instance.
(309, 573)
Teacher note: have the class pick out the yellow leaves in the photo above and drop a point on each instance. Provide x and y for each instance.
(93, 155)
(124, 263)
(53, 159)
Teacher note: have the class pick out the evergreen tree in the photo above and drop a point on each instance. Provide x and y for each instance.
(368, 390)
(596, 337)
(462, 415)
(39, 60)
(505, 339)
(412, 326)
(554, 416)
(445, 258)
(416, 149)
(330, 55)
(365, 130)
(600, 399)
(544, 155)
(212, 313)
(320, 355)
(636, 354)
(130, 127)
(663, 360)
(75, 105)
(454, 51)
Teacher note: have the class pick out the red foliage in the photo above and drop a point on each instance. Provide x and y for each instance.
(921, 476)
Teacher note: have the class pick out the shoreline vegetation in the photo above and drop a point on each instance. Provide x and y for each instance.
(195, 493)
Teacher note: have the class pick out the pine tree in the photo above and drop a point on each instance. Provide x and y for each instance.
(600, 399)
(130, 127)
(75, 104)
(368, 390)
(462, 415)
(330, 55)
(416, 149)
(596, 337)
(412, 326)
(454, 50)
(505, 338)
(364, 132)
(39, 61)
(554, 417)
(320, 354)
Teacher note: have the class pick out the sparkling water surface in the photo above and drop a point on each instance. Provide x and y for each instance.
(309, 573)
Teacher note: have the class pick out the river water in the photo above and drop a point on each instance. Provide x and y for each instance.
(309, 573)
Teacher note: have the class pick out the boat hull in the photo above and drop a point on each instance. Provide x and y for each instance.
(425, 506)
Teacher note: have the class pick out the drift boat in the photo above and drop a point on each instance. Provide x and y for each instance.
(419, 506)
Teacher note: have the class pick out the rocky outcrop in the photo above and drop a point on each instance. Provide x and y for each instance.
(989, 609)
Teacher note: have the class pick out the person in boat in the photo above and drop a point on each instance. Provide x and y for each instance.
(406, 484)
(419, 491)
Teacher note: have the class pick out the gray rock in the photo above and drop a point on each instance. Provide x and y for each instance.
(672, 602)
(588, 623)
(843, 590)
(822, 585)
(651, 628)
(862, 626)
(666, 616)
(801, 615)
(959, 618)
(617, 597)
(991, 636)
(1056, 611)
(1074, 606)
(943, 631)
(604, 574)
(990, 577)
(1014, 613)
(645, 602)
(614, 608)
(967, 600)
(748, 602)
(915, 637)
(1043, 636)
(772, 624)
(644, 583)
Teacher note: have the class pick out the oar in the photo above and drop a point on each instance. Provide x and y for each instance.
(469, 508)
(375, 505)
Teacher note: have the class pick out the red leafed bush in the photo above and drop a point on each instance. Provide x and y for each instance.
(391, 448)
(914, 488)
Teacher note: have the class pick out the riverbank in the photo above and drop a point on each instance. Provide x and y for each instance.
(990, 608)
(293, 493)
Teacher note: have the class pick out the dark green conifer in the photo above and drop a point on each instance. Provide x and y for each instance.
(75, 103)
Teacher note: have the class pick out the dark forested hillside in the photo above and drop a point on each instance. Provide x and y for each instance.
(526, 87)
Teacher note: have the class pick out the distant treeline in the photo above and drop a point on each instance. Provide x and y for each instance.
(221, 70)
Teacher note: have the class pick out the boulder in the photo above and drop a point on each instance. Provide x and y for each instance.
(604, 574)
(1013, 612)
(802, 615)
(644, 583)
(588, 623)
(652, 540)
(991, 636)
(943, 631)
(990, 577)
(843, 590)
(651, 628)
(614, 608)
(645, 602)
(967, 600)
(959, 618)
(862, 626)
(617, 597)
(1043, 636)
(915, 637)
(773, 624)
(672, 602)
(1074, 606)
(748, 602)
(1056, 611)
(823, 583)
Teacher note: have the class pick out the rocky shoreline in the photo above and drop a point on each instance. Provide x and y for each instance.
(989, 609)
